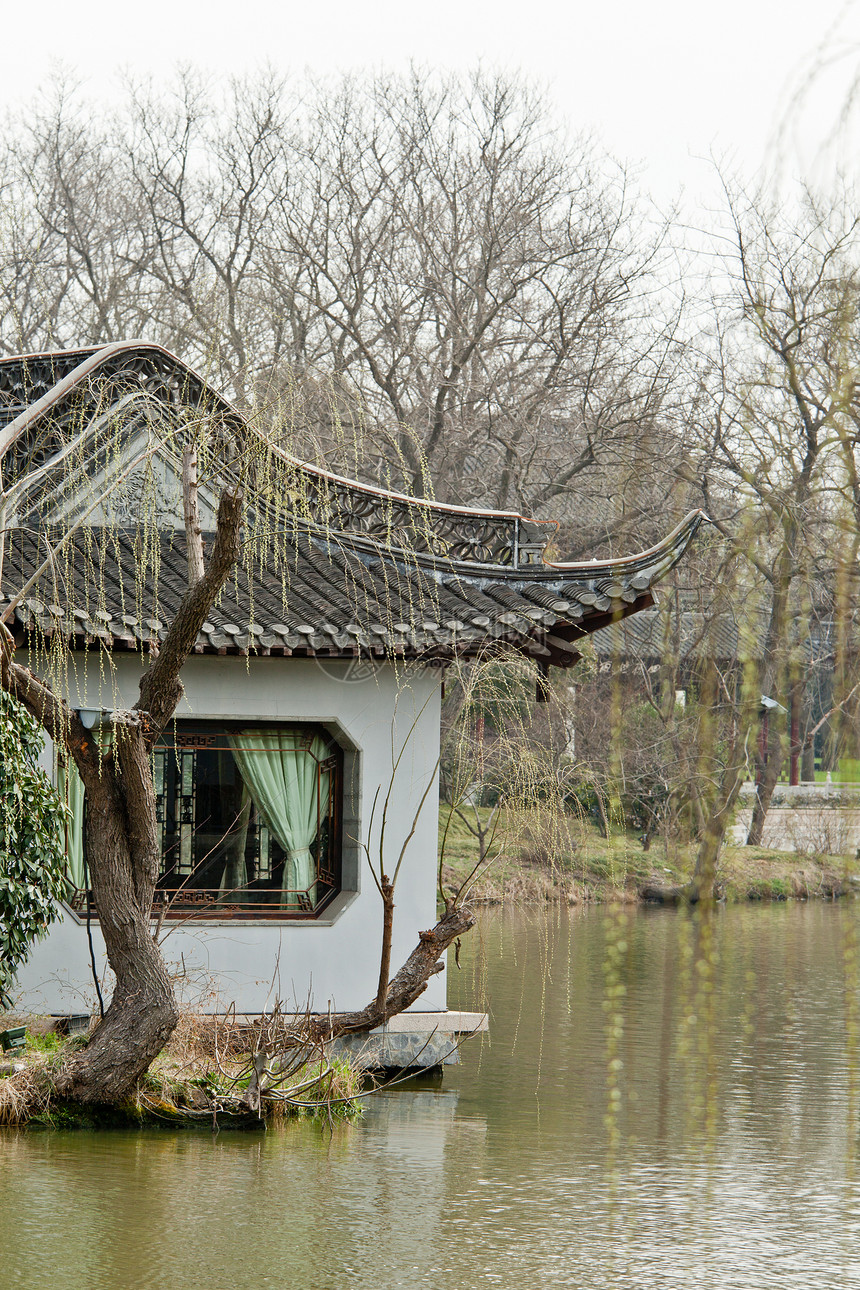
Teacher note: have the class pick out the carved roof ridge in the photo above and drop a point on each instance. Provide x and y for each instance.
(94, 358)
(675, 541)
(420, 527)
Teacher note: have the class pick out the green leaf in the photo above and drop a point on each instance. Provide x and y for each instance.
(32, 856)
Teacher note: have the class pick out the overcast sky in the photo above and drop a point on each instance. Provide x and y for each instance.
(664, 84)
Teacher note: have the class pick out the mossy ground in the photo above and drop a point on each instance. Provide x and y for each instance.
(571, 861)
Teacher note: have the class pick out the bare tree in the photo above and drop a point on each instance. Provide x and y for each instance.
(482, 280)
(431, 250)
(65, 274)
(778, 465)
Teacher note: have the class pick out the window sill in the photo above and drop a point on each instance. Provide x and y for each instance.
(190, 919)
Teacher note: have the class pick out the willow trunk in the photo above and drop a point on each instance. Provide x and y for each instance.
(142, 1014)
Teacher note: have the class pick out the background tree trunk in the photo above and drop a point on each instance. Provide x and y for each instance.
(768, 781)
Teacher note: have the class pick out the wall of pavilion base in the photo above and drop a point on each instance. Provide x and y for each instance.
(330, 961)
(413, 1041)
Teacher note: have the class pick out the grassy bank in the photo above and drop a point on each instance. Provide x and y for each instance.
(201, 1078)
(571, 861)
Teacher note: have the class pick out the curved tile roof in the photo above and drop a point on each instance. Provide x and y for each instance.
(368, 570)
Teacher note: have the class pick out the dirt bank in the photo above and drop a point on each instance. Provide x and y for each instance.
(591, 868)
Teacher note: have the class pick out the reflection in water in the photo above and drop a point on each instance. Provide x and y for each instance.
(661, 1098)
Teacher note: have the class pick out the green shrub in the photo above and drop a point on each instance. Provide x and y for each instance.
(32, 856)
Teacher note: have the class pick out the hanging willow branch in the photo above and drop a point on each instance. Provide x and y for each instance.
(191, 506)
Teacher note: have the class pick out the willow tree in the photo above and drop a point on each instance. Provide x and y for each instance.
(123, 848)
(85, 464)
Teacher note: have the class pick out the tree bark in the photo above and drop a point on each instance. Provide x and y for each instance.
(766, 782)
(122, 843)
(408, 984)
(387, 889)
(703, 882)
(794, 733)
(770, 764)
(142, 1013)
(160, 686)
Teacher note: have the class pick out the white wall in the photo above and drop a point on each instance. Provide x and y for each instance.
(332, 962)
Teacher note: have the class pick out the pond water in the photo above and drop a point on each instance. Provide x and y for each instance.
(663, 1100)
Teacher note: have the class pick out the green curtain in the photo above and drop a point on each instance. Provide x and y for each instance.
(70, 787)
(284, 778)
